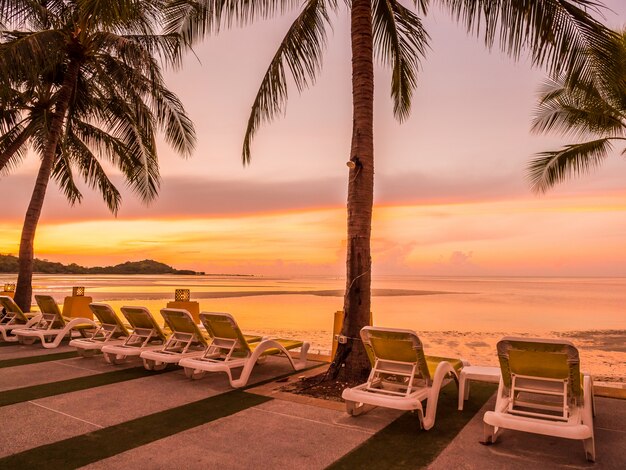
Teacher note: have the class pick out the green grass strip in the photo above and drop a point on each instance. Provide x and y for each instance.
(97, 445)
(21, 361)
(403, 444)
(35, 392)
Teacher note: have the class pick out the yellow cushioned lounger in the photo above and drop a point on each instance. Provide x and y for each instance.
(402, 376)
(146, 335)
(110, 331)
(185, 341)
(230, 349)
(51, 326)
(542, 391)
(13, 319)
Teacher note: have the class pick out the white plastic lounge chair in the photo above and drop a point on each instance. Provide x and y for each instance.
(186, 340)
(14, 319)
(402, 376)
(52, 326)
(146, 335)
(542, 391)
(110, 331)
(230, 349)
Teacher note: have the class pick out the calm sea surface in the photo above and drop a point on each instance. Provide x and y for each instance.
(534, 305)
(465, 315)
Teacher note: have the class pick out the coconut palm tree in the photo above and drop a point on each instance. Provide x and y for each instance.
(554, 32)
(594, 108)
(107, 102)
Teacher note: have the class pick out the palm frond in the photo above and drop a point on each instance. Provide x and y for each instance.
(62, 174)
(196, 19)
(401, 41)
(558, 33)
(92, 172)
(26, 57)
(550, 168)
(171, 116)
(13, 146)
(301, 51)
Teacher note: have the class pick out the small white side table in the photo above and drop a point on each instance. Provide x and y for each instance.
(480, 373)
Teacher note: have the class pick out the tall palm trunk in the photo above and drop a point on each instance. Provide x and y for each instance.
(14, 147)
(351, 360)
(24, 289)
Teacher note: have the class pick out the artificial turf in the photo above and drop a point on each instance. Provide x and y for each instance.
(21, 361)
(34, 392)
(97, 445)
(403, 444)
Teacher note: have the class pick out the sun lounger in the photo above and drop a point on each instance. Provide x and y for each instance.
(51, 326)
(402, 376)
(186, 340)
(542, 391)
(230, 349)
(13, 319)
(146, 335)
(110, 331)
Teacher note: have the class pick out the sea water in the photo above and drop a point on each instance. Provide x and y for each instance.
(464, 316)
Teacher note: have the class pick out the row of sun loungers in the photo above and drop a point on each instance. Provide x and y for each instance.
(219, 347)
(541, 388)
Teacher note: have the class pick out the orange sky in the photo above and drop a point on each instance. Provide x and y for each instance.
(451, 193)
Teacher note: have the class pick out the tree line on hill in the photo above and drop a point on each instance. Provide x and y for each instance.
(10, 264)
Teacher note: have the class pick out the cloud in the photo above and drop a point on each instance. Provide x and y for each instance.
(195, 196)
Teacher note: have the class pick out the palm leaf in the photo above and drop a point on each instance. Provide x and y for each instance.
(301, 52)
(401, 41)
(558, 33)
(553, 167)
(92, 172)
(195, 19)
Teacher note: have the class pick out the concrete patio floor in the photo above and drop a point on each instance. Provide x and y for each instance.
(274, 430)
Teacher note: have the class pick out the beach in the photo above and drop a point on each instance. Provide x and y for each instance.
(454, 316)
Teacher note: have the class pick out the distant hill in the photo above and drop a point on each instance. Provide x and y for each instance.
(9, 264)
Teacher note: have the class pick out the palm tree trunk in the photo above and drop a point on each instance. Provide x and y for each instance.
(14, 147)
(350, 361)
(24, 289)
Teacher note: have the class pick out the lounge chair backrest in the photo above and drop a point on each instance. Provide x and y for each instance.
(181, 321)
(10, 307)
(140, 317)
(543, 358)
(224, 326)
(393, 344)
(50, 310)
(105, 314)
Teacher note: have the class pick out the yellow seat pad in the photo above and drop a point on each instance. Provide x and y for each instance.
(285, 343)
(433, 361)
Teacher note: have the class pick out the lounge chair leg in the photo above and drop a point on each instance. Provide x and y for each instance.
(27, 341)
(590, 450)
(148, 364)
(489, 435)
(464, 389)
(194, 374)
(355, 409)
(159, 365)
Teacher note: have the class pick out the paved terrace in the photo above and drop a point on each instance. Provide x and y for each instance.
(60, 411)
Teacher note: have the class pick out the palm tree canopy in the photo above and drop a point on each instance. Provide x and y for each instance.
(556, 33)
(119, 100)
(593, 109)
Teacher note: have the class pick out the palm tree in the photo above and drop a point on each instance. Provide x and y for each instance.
(555, 32)
(581, 109)
(107, 103)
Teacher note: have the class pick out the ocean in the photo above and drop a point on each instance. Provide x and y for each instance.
(461, 316)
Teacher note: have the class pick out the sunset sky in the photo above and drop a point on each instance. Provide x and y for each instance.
(451, 192)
